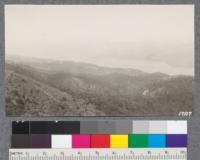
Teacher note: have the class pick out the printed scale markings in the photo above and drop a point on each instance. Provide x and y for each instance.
(98, 154)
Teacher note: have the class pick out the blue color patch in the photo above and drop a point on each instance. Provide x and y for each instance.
(157, 140)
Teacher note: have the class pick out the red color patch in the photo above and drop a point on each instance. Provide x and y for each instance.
(100, 141)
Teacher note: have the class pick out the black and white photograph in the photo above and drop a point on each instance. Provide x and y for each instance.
(99, 60)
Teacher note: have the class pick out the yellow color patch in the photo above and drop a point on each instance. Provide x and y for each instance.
(119, 141)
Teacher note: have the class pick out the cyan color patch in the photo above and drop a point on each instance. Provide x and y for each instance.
(157, 140)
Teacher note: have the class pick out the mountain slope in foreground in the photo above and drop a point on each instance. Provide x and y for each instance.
(53, 88)
(28, 97)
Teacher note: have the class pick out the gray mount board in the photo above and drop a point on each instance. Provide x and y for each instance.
(193, 121)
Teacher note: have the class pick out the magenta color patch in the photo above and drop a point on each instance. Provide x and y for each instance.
(81, 141)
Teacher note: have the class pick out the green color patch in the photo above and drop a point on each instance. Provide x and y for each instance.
(138, 141)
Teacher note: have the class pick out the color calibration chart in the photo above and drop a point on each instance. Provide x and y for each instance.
(99, 140)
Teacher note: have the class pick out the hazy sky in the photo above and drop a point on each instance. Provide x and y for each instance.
(152, 38)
